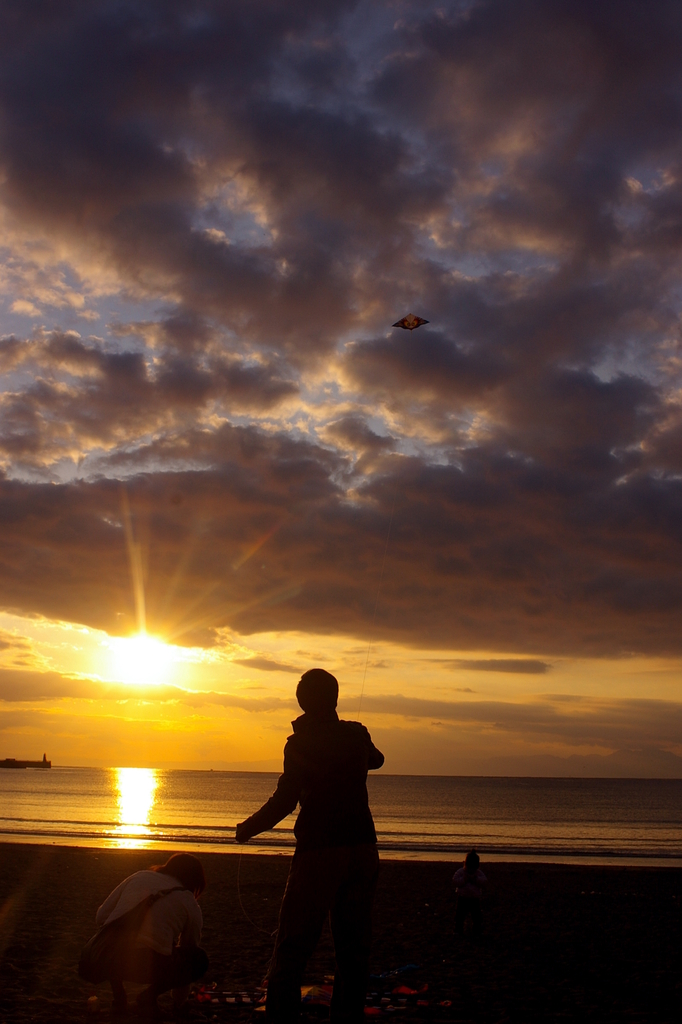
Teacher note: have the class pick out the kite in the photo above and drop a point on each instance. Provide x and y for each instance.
(409, 322)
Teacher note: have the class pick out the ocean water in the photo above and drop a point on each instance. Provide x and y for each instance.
(417, 817)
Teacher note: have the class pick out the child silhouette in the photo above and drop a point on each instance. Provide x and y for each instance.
(470, 882)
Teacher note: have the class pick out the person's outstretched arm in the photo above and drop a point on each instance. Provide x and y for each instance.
(282, 802)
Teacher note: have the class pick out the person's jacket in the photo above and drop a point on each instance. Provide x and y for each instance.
(176, 916)
(325, 770)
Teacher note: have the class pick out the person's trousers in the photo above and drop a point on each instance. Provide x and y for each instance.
(468, 906)
(185, 965)
(339, 881)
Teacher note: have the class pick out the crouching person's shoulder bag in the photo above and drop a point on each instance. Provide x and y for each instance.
(107, 950)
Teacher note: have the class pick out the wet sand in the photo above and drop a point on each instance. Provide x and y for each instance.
(559, 943)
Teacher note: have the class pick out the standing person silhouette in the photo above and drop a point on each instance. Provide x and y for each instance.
(334, 869)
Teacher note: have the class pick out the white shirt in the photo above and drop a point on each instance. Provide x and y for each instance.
(468, 883)
(172, 918)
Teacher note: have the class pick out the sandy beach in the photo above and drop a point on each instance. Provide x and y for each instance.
(560, 943)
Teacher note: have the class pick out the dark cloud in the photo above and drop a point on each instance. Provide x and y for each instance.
(121, 127)
(641, 762)
(616, 724)
(266, 538)
(17, 686)
(11, 642)
(409, 367)
(354, 432)
(82, 396)
(265, 664)
(276, 186)
(524, 666)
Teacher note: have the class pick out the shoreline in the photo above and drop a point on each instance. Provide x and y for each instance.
(610, 858)
(574, 942)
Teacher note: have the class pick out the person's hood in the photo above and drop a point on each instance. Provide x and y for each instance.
(313, 721)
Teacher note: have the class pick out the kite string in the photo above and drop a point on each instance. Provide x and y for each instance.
(376, 603)
(239, 895)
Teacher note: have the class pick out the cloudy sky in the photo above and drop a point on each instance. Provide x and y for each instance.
(212, 213)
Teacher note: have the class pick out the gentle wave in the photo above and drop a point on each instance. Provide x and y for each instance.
(431, 817)
(283, 839)
(29, 825)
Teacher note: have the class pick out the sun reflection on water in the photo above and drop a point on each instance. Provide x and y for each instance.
(135, 792)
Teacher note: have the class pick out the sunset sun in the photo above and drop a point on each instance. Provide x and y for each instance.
(142, 660)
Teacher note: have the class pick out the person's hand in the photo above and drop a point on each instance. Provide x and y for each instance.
(242, 834)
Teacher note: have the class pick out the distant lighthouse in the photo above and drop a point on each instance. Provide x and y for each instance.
(11, 762)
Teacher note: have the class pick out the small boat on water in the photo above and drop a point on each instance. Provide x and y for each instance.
(11, 762)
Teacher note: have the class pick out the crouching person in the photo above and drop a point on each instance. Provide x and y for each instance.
(150, 928)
